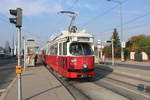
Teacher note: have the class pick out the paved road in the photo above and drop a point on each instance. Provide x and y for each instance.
(141, 67)
(7, 71)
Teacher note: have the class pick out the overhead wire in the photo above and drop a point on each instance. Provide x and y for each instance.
(137, 18)
(73, 4)
(102, 14)
(3, 19)
(129, 22)
(138, 26)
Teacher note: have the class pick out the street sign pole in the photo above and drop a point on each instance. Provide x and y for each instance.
(112, 52)
(19, 64)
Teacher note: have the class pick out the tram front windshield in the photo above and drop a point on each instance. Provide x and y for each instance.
(79, 49)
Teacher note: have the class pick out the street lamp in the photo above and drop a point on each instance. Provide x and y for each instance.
(121, 27)
(112, 43)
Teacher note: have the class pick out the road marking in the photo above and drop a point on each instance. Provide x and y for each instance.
(130, 90)
(2, 90)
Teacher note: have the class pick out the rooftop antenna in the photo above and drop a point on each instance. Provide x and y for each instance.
(72, 15)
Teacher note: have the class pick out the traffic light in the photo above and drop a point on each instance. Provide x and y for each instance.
(109, 41)
(18, 17)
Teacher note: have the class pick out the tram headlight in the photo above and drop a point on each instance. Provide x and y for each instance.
(84, 65)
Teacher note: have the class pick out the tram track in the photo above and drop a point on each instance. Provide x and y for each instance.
(95, 91)
(78, 88)
(124, 75)
(124, 79)
(120, 86)
(76, 93)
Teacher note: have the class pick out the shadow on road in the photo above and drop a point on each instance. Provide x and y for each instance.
(42, 92)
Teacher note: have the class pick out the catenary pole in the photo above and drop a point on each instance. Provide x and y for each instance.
(112, 52)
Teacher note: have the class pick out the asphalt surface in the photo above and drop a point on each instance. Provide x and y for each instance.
(132, 66)
(7, 71)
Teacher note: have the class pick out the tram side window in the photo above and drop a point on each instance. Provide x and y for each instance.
(51, 49)
(60, 49)
(56, 48)
(64, 48)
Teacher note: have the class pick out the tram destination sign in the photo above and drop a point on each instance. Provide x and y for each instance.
(83, 39)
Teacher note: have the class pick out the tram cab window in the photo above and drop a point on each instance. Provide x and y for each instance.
(64, 48)
(78, 49)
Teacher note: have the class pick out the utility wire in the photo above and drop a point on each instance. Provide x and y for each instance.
(4, 20)
(138, 26)
(130, 21)
(73, 4)
(98, 16)
(137, 18)
(102, 14)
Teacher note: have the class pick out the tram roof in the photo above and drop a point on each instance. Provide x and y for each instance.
(82, 33)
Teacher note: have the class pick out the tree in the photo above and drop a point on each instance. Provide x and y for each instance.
(115, 36)
(139, 43)
(117, 45)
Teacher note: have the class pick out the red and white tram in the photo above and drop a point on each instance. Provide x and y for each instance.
(71, 54)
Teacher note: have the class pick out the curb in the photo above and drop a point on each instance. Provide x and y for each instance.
(2, 97)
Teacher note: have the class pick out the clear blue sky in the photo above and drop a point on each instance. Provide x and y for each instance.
(40, 18)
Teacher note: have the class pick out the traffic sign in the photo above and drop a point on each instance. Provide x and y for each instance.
(123, 44)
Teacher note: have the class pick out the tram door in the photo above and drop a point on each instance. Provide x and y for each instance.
(63, 57)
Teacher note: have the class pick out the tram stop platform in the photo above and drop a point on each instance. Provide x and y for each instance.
(38, 84)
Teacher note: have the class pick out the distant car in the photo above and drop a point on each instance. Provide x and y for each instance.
(2, 53)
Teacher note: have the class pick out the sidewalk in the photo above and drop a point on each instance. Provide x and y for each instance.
(39, 84)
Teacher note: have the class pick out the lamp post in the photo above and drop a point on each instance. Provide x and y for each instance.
(112, 43)
(121, 26)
